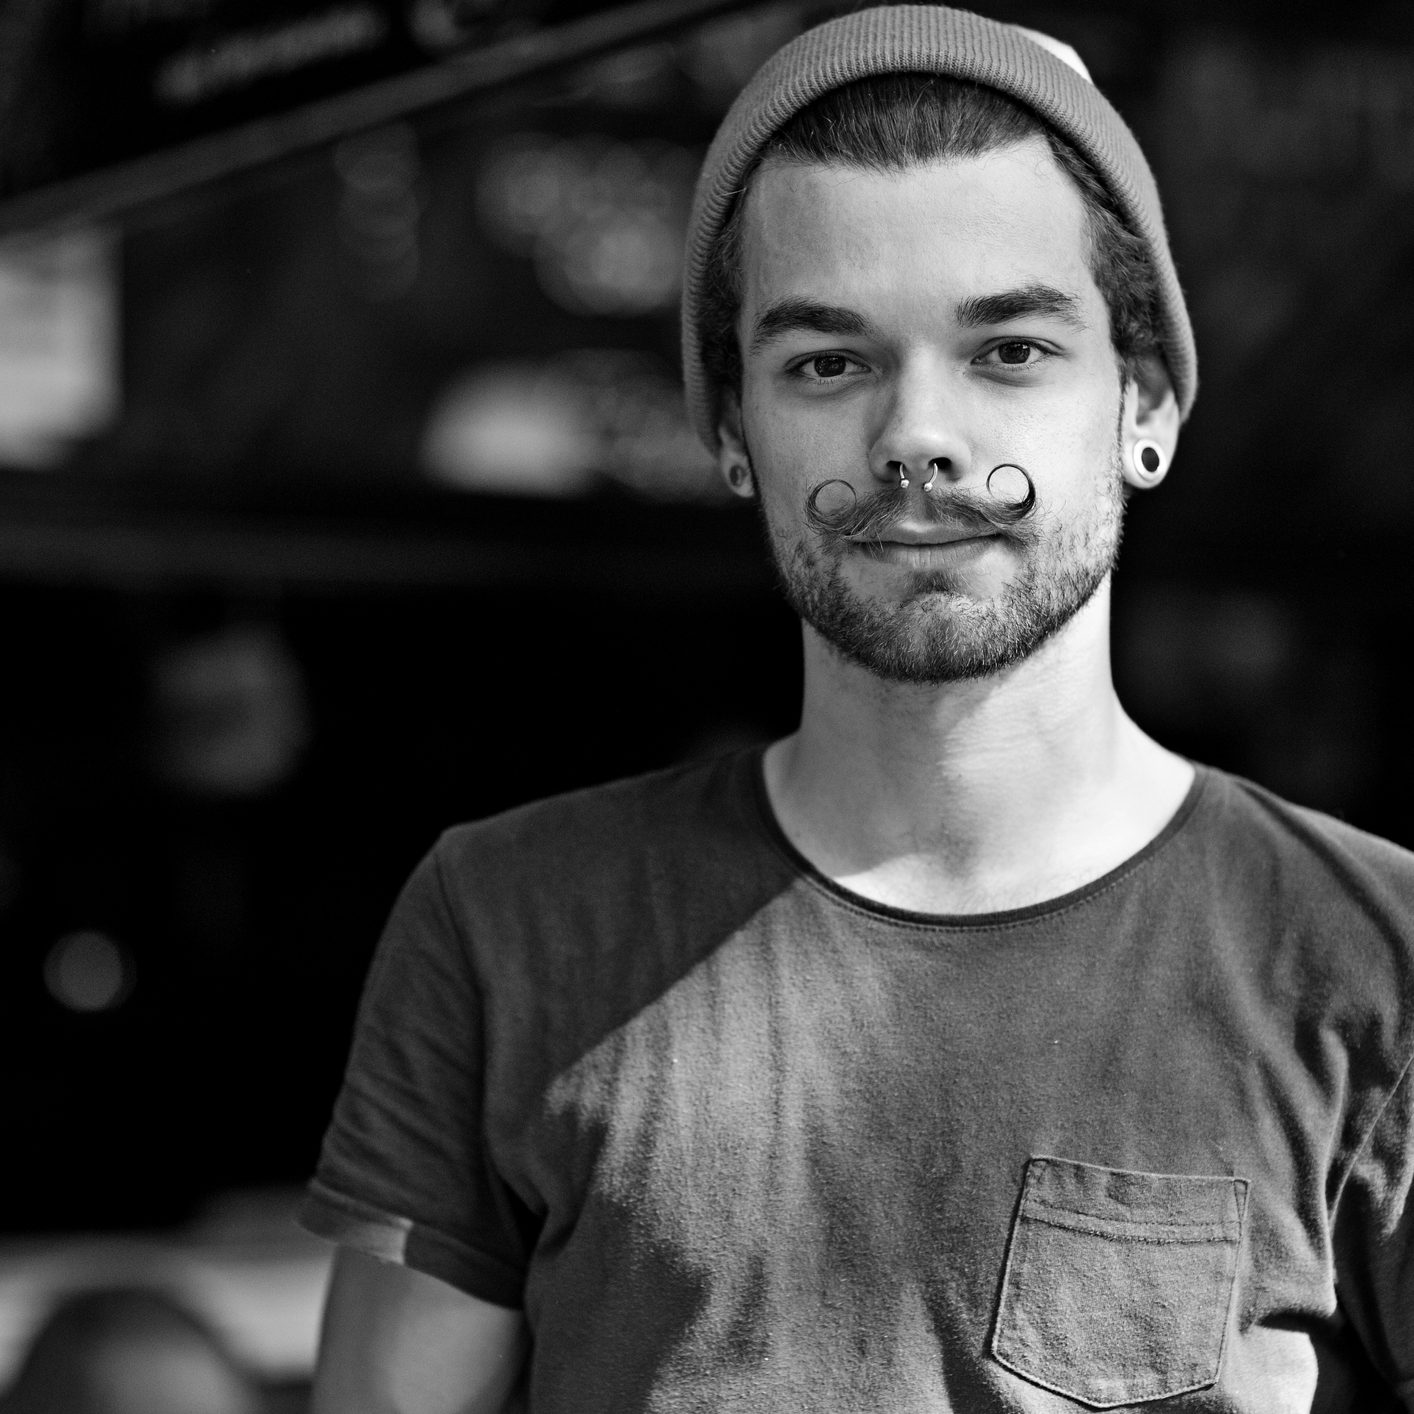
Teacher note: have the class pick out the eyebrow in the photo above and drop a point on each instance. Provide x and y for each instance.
(793, 316)
(796, 315)
(981, 310)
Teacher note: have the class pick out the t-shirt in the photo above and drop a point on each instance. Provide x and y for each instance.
(737, 1138)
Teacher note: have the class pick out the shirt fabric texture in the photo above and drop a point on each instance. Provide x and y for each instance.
(737, 1138)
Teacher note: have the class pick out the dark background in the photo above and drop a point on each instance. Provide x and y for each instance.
(263, 640)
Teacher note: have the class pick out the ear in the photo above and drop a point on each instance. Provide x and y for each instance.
(733, 460)
(1149, 426)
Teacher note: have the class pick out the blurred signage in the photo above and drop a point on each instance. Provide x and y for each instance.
(108, 103)
(58, 344)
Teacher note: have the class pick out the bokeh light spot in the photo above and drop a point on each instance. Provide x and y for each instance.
(87, 971)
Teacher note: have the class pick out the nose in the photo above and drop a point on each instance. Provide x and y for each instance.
(920, 437)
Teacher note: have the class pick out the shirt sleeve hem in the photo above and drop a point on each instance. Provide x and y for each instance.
(353, 1223)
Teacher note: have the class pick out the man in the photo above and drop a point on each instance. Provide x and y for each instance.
(965, 1050)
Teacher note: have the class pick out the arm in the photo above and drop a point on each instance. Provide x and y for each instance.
(1373, 1242)
(398, 1342)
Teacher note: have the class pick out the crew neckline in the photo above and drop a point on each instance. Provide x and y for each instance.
(809, 874)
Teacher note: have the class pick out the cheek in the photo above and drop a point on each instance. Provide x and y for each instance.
(800, 443)
(1069, 432)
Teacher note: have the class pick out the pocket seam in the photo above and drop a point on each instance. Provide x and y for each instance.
(1228, 1233)
(1161, 1234)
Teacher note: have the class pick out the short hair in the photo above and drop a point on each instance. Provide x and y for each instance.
(891, 122)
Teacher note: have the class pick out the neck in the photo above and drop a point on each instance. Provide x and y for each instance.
(977, 795)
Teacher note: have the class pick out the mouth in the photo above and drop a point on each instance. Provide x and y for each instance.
(927, 548)
(941, 532)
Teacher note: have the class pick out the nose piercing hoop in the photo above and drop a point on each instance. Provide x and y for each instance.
(1019, 509)
(904, 482)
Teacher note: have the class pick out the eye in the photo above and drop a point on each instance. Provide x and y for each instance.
(826, 367)
(1015, 353)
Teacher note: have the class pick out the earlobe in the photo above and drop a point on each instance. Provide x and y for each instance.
(1148, 463)
(1149, 426)
(733, 461)
(739, 479)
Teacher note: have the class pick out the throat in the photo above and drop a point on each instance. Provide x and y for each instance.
(955, 849)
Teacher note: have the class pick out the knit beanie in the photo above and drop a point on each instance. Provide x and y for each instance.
(937, 40)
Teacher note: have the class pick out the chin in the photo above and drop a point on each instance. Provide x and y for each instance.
(942, 633)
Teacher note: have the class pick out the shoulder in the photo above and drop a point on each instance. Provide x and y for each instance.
(1327, 911)
(1303, 848)
(582, 830)
(577, 910)
(649, 855)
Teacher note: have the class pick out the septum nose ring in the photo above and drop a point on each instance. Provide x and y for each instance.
(927, 485)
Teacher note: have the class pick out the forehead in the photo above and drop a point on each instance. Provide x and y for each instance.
(938, 232)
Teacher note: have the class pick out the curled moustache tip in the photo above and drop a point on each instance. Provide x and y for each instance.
(813, 500)
(1015, 510)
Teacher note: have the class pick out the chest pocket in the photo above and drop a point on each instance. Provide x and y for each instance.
(1118, 1285)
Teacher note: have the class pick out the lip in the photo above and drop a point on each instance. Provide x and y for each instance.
(926, 535)
(929, 550)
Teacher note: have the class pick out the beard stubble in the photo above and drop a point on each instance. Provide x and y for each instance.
(936, 632)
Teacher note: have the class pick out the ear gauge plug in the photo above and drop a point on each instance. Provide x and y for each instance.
(1147, 462)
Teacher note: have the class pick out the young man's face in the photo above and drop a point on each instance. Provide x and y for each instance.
(940, 318)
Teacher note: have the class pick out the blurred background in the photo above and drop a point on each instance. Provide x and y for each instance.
(345, 493)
